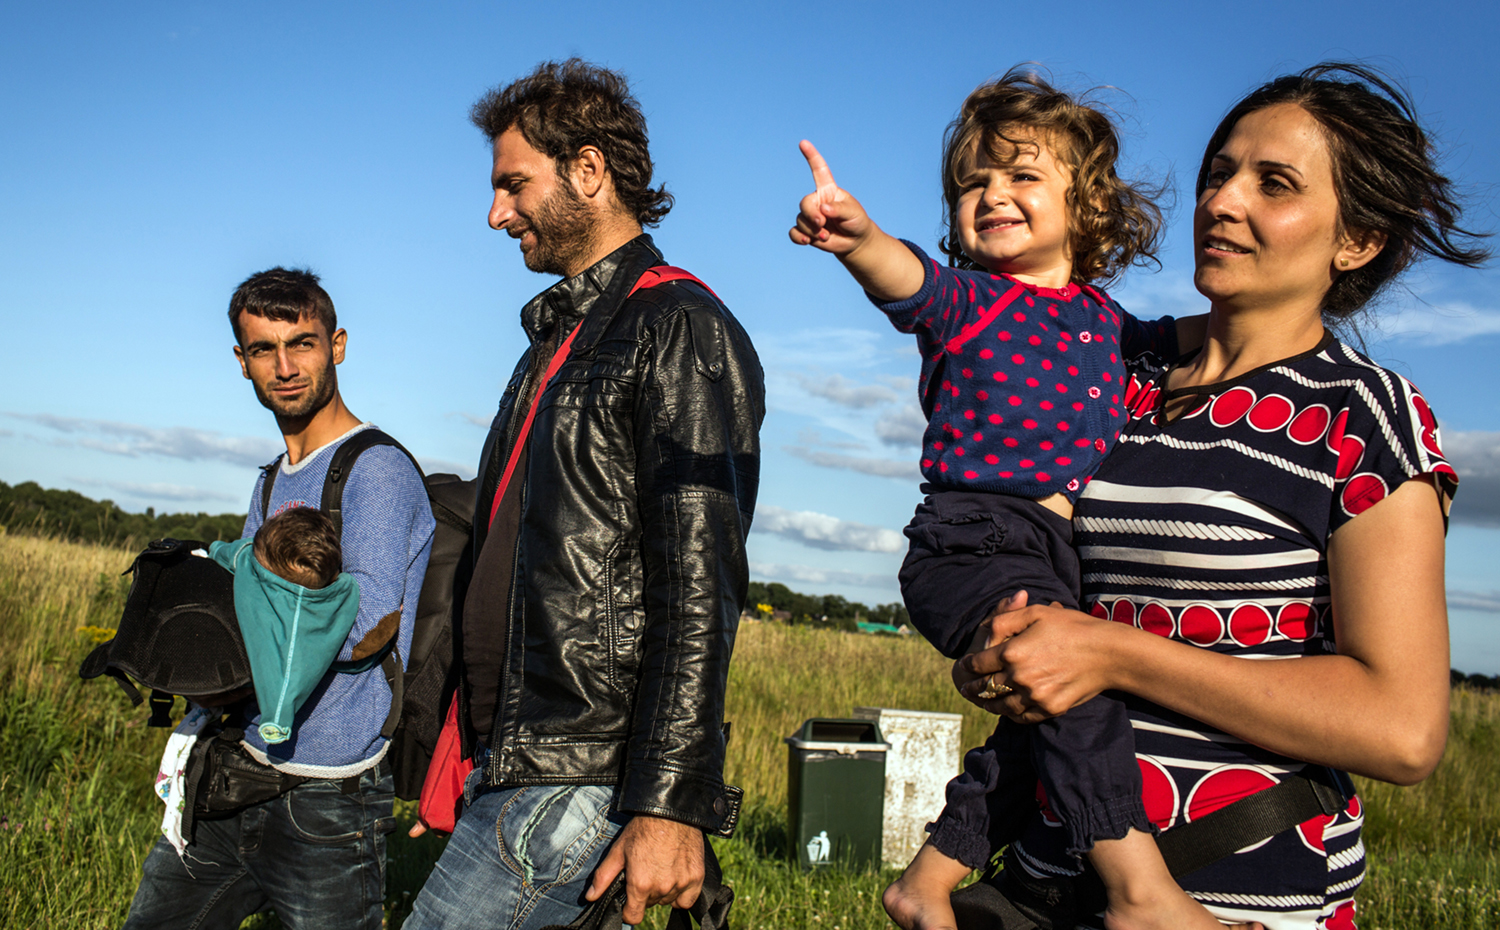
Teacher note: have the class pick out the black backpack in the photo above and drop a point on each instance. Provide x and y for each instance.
(419, 697)
(177, 634)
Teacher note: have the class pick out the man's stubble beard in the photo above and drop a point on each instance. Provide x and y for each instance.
(564, 229)
(318, 395)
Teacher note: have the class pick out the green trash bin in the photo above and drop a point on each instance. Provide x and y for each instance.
(836, 792)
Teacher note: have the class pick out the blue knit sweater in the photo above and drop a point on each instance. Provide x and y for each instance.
(1022, 385)
(387, 537)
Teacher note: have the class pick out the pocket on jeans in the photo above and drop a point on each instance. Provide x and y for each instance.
(320, 813)
(547, 833)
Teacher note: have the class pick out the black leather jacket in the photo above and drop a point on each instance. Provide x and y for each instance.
(630, 567)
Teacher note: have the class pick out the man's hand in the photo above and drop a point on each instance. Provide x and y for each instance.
(663, 864)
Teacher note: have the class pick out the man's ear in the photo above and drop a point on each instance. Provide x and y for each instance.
(590, 172)
(239, 355)
(1359, 249)
(339, 340)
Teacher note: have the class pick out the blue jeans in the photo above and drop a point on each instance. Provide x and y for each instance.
(519, 859)
(315, 855)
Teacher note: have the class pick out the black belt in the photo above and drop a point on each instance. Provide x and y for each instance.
(1247, 821)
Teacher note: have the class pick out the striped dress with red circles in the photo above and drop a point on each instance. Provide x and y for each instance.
(1213, 529)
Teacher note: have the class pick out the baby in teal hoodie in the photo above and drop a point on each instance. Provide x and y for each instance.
(295, 608)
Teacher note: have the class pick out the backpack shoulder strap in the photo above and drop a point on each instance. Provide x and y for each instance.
(661, 274)
(265, 487)
(333, 505)
(343, 463)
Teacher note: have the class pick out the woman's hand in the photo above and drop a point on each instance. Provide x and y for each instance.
(978, 688)
(1044, 661)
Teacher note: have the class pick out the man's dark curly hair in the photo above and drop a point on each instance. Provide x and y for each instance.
(1112, 223)
(563, 106)
(1384, 173)
(283, 295)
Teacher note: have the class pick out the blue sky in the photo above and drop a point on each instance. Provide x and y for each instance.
(154, 154)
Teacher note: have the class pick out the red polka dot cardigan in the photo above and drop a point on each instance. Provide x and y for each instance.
(1022, 386)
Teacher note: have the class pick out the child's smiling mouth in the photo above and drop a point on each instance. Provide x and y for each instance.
(998, 223)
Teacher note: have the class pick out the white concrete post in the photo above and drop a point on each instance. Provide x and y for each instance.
(924, 755)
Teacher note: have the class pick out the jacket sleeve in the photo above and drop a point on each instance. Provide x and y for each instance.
(697, 424)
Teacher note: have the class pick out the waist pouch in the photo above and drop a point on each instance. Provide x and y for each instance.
(221, 778)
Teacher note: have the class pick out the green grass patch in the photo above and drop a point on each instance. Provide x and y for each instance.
(77, 814)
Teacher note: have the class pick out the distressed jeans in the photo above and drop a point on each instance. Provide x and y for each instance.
(315, 855)
(519, 859)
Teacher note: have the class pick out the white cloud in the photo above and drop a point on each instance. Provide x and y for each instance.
(1487, 601)
(903, 426)
(881, 468)
(179, 442)
(1475, 455)
(820, 531)
(1436, 326)
(846, 393)
(806, 574)
(812, 437)
(1478, 501)
(845, 349)
(1473, 452)
(161, 491)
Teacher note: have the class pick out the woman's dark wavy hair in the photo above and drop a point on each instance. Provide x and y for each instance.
(1383, 172)
(1112, 223)
(562, 107)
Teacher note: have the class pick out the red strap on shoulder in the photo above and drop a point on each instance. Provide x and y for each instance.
(558, 357)
(661, 274)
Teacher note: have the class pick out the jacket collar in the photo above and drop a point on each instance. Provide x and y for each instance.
(607, 281)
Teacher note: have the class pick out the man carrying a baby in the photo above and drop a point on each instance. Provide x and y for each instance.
(315, 854)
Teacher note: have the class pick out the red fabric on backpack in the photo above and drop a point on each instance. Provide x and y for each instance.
(443, 789)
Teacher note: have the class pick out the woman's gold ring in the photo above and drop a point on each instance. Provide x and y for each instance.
(994, 689)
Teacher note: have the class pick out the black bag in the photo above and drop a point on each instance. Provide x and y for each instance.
(177, 634)
(711, 910)
(220, 778)
(420, 696)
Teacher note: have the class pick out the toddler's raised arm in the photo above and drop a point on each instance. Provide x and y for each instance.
(833, 221)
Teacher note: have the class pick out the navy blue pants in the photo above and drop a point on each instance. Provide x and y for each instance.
(969, 551)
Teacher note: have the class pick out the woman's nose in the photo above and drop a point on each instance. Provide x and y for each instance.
(1226, 201)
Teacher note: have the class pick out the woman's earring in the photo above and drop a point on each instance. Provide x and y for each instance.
(1343, 263)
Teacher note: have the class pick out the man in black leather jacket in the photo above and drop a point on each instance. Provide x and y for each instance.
(610, 539)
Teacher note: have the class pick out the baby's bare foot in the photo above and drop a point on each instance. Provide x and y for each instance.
(918, 905)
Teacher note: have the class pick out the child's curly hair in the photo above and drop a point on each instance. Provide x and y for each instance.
(1112, 223)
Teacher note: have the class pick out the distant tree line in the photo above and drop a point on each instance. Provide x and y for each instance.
(829, 609)
(1477, 682)
(30, 508)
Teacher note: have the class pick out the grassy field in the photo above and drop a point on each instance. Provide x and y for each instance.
(77, 814)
